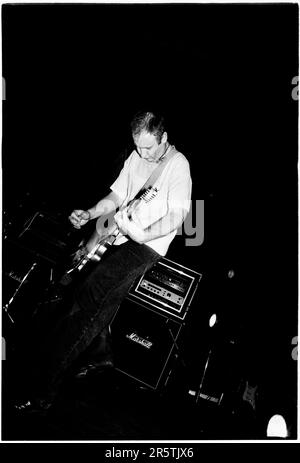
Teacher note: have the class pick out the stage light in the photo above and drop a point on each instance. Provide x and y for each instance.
(212, 320)
(277, 427)
(230, 274)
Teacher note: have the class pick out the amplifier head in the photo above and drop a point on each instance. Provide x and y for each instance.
(167, 287)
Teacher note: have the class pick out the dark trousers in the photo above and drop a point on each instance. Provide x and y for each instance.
(99, 351)
(95, 304)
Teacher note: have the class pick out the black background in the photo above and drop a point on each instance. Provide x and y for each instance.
(222, 74)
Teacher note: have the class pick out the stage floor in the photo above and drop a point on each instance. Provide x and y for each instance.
(112, 407)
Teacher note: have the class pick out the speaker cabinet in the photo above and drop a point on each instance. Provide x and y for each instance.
(144, 343)
(45, 237)
(23, 281)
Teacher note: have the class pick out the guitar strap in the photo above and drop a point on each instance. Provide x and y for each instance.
(157, 171)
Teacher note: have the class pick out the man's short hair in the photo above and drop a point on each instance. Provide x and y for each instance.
(149, 122)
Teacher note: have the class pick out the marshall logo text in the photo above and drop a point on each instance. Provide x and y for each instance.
(138, 339)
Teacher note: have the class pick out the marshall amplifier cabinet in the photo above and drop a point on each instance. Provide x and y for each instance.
(144, 343)
(24, 280)
(167, 288)
(148, 322)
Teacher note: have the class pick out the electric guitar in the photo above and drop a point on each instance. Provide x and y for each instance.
(105, 234)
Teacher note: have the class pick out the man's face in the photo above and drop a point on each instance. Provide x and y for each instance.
(148, 147)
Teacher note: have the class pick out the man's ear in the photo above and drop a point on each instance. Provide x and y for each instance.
(164, 137)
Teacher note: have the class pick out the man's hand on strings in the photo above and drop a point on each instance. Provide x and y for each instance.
(131, 228)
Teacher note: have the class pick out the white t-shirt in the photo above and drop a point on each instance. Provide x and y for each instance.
(174, 187)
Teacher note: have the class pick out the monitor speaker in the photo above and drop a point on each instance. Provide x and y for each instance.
(144, 343)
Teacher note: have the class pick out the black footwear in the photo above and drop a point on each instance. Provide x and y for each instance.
(33, 406)
(93, 369)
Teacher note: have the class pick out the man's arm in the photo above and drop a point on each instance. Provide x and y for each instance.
(165, 225)
(108, 204)
(162, 227)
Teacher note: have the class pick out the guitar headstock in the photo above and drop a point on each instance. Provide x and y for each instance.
(149, 194)
(146, 196)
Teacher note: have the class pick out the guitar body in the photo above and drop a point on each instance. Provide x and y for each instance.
(103, 237)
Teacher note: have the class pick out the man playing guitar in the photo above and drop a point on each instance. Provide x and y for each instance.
(152, 195)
